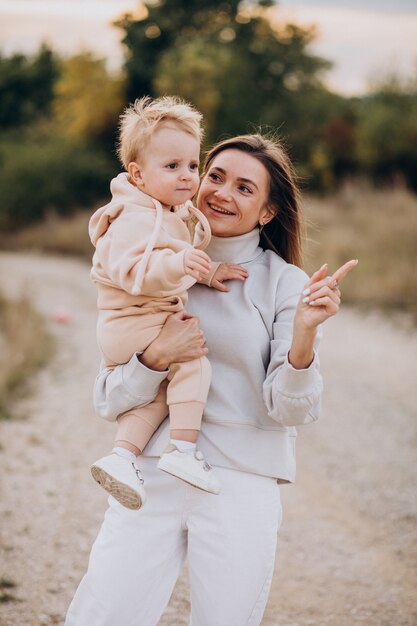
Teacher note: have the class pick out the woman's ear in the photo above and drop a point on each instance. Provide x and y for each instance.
(135, 174)
(267, 214)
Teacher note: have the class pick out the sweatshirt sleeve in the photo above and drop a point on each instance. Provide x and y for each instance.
(120, 253)
(119, 389)
(165, 274)
(292, 397)
(214, 266)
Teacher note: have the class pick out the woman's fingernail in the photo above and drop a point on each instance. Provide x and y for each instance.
(306, 292)
(305, 300)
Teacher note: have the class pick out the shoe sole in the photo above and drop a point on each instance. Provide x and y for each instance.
(121, 492)
(173, 471)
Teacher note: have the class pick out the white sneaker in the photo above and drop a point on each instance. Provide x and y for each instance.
(121, 478)
(192, 468)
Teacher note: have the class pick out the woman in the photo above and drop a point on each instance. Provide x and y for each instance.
(261, 336)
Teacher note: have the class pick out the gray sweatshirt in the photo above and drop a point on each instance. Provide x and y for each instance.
(256, 397)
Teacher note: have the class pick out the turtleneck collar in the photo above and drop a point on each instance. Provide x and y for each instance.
(240, 249)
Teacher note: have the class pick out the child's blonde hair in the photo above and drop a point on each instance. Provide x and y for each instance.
(140, 119)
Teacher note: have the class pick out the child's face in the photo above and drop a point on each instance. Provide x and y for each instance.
(168, 170)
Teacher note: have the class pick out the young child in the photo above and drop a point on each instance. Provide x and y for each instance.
(143, 265)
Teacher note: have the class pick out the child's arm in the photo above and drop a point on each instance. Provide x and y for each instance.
(169, 273)
(120, 253)
(219, 272)
(197, 264)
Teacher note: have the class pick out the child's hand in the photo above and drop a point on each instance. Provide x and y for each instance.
(227, 271)
(196, 264)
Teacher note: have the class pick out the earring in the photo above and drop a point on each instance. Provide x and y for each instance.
(261, 227)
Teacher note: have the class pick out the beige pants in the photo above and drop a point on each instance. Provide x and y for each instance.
(184, 394)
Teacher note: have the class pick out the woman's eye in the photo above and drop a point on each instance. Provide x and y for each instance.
(245, 189)
(214, 177)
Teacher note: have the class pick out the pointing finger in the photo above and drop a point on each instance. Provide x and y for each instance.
(344, 270)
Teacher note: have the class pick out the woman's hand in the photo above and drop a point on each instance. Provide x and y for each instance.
(319, 301)
(227, 271)
(180, 340)
(321, 296)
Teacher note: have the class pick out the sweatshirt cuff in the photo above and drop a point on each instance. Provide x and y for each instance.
(214, 266)
(294, 382)
(139, 379)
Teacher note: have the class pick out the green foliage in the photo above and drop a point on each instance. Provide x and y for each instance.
(26, 87)
(198, 68)
(330, 153)
(42, 173)
(249, 71)
(26, 346)
(388, 132)
(87, 99)
(244, 70)
(57, 139)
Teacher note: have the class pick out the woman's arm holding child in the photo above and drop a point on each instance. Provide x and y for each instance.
(136, 383)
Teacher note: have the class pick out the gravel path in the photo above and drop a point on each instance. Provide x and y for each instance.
(347, 552)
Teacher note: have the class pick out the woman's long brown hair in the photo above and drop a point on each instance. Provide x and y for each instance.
(283, 234)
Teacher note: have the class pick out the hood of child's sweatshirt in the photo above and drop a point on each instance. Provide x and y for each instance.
(123, 193)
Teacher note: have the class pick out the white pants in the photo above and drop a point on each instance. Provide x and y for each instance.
(230, 540)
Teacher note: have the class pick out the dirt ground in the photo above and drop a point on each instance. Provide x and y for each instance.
(347, 551)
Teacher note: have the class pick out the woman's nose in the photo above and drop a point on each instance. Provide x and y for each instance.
(223, 193)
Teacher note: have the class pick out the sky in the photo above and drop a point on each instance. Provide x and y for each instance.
(365, 39)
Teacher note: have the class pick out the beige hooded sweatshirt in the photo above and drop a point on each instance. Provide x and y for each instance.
(140, 247)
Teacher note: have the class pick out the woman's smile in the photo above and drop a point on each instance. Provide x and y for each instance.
(217, 209)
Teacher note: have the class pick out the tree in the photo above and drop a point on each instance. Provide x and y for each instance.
(388, 131)
(228, 57)
(88, 99)
(26, 87)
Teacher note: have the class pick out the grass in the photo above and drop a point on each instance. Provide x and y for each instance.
(25, 346)
(378, 227)
(58, 235)
(6, 596)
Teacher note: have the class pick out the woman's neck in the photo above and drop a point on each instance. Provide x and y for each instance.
(240, 249)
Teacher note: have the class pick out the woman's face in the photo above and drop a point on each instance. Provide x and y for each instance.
(233, 194)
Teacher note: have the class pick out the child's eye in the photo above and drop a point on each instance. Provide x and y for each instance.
(194, 167)
(172, 166)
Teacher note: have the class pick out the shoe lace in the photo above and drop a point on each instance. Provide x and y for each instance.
(199, 456)
(138, 473)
